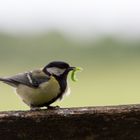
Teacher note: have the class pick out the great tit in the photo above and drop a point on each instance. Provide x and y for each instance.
(41, 87)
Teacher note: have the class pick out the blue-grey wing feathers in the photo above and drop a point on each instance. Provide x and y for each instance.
(25, 79)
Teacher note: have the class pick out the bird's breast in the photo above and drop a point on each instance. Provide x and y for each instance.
(43, 94)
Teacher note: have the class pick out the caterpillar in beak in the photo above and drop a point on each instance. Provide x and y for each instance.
(73, 73)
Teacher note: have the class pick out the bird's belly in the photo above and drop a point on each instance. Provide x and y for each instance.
(41, 95)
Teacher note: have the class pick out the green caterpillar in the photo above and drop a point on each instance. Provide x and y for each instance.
(73, 74)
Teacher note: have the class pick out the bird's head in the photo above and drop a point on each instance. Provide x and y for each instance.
(58, 68)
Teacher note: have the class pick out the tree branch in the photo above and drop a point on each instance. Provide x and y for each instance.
(85, 123)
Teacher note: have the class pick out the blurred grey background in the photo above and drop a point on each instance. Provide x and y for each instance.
(100, 36)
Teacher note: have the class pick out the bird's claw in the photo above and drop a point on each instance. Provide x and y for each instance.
(53, 107)
(35, 108)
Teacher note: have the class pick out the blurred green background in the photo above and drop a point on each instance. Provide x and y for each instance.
(111, 67)
(102, 37)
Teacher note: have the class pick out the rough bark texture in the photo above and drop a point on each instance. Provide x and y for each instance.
(87, 123)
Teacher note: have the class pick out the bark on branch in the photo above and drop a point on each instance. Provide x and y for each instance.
(86, 123)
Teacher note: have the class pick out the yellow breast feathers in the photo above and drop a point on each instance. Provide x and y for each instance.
(43, 94)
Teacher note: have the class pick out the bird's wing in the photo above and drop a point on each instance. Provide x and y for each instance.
(25, 79)
(39, 79)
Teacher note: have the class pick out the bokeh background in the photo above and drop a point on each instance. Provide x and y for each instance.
(100, 36)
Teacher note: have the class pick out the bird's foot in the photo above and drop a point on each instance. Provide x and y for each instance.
(35, 108)
(53, 107)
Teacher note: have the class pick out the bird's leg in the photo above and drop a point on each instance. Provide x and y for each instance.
(53, 107)
(34, 108)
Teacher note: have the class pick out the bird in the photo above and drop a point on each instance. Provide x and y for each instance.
(41, 87)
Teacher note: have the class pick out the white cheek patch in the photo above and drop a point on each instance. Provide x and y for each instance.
(56, 71)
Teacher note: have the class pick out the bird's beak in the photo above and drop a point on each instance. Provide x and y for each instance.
(71, 68)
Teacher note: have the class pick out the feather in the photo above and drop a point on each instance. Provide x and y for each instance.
(25, 79)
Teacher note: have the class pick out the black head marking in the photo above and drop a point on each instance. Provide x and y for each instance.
(57, 64)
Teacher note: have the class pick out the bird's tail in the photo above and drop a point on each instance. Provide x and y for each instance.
(2, 79)
(7, 81)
